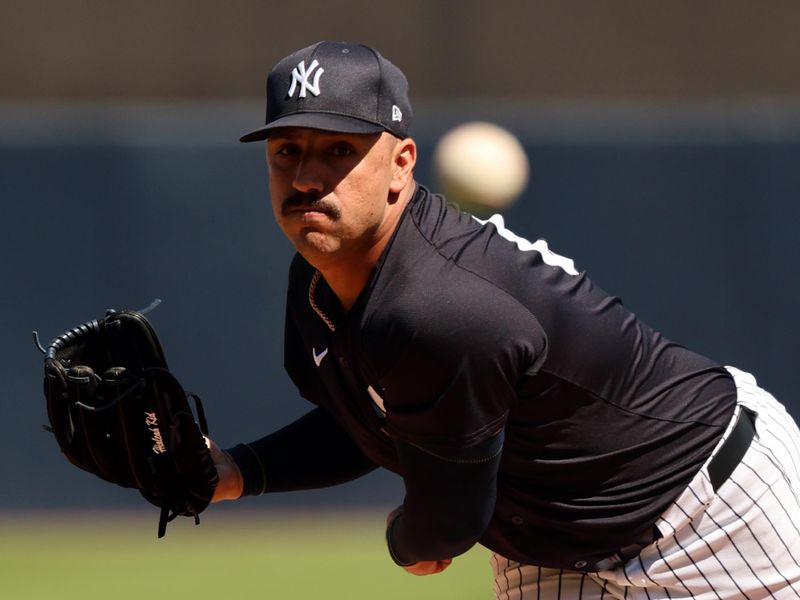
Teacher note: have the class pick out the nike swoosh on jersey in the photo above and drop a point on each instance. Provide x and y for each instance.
(318, 357)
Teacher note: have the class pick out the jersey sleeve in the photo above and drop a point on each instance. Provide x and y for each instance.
(448, 504)
(448, 390)
(312, 452)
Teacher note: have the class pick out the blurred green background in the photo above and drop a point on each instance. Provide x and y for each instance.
(266, 554)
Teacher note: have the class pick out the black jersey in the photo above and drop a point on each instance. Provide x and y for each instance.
(467, 333)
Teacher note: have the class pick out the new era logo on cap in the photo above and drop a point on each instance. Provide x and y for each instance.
(336, 86)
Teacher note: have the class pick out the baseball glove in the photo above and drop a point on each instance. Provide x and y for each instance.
(116, 411)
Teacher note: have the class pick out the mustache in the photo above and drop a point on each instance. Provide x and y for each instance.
(312, 200)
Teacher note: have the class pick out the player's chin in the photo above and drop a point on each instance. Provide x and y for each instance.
(315, 241)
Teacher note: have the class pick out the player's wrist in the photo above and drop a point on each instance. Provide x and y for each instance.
(231, 482)
(250, 468)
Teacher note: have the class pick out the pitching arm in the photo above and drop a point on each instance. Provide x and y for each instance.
(449, 501)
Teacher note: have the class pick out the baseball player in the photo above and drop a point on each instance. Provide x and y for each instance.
(525, 408)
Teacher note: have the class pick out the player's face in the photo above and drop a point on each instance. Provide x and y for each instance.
(331, 191)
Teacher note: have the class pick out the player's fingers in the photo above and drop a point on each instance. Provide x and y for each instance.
(428, 567)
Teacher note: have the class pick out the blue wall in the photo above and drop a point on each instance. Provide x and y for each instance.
(695, 232)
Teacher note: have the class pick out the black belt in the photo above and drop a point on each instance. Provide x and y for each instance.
(732, 451)
(727, 458)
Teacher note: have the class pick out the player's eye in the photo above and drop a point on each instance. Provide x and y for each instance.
(287, 150)
(341, 150)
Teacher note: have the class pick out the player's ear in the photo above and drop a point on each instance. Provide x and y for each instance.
(404, 157)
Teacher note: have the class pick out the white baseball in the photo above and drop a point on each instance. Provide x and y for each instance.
(481, 166)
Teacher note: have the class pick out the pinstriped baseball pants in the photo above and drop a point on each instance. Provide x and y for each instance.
(741, 542)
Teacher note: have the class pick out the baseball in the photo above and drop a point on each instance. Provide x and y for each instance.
(481, 167)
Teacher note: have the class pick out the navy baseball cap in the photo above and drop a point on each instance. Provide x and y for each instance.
(336, 86)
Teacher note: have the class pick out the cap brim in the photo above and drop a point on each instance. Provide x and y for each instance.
(323, 121)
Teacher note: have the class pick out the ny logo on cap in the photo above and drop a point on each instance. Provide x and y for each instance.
(300, 75)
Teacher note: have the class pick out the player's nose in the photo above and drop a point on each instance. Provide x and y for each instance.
(308, 176)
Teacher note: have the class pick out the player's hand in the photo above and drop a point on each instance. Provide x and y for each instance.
(230, 484)
(428, 567)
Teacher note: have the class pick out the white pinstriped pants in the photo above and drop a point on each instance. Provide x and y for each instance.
(742, 542)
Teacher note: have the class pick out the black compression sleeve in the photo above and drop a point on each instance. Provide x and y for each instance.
(312, 452)
(449, 501)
